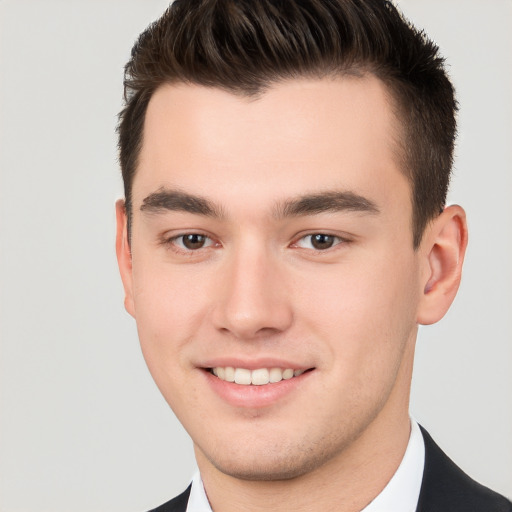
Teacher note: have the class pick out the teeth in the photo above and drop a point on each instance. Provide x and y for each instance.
(229, 374)
(258, 377)
(276, 375)
(288, 374)
(243, 376)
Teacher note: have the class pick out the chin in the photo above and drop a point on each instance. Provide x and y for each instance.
(271, 464)
(264, 472)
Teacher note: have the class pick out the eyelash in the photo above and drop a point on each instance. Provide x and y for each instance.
(337, 240)
(173, 243)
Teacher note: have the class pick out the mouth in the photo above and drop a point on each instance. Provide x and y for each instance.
(256, 377)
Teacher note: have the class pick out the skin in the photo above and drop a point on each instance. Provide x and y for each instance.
(258, 291)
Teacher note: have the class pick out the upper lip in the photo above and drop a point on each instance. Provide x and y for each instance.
(253, 364)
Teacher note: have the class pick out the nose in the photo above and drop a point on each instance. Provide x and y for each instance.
(253, 300)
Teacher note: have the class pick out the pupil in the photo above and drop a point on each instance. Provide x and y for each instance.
(321, 241)
(193, 241)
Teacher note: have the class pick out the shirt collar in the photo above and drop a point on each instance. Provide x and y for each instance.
(403, 490)
(400, 494)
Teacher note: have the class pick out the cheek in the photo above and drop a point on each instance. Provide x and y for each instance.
(367, 309)
(169, 315)
(169, 309)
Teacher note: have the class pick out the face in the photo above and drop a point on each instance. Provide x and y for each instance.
(272, 272)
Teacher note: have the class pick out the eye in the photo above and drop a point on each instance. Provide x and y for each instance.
(192, 241)
(319, 241)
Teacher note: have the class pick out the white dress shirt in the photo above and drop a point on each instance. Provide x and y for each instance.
(400, 494)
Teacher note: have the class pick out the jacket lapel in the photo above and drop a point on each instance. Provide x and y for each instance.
(446, 487)
(178, 504)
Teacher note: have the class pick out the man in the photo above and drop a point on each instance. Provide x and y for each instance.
(283, 235)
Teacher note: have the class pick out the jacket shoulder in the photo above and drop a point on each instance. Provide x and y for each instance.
(178, 504)
(446, 487)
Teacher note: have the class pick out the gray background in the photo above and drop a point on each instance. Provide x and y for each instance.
(83, 427)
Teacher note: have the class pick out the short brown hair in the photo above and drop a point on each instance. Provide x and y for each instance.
(244, 46)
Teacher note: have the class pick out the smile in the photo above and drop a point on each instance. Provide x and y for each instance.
(257, 377)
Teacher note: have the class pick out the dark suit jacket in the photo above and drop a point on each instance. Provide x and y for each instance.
(445, 488)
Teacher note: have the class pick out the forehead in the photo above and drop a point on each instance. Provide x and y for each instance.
(313, 134)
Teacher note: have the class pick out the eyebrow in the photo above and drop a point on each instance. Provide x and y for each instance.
(175, 200)
(311, 204)
(325, 202)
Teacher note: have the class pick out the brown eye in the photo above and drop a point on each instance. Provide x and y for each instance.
(189, 243)
(193, 241)
(321, 241)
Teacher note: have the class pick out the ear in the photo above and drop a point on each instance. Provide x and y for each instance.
(444, 245)
(124, 257)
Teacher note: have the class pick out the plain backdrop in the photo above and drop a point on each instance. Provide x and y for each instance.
(82, 426)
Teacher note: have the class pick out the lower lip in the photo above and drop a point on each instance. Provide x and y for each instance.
(254, 397)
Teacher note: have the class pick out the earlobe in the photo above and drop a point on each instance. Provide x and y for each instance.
(444, 246)
(124, 257)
